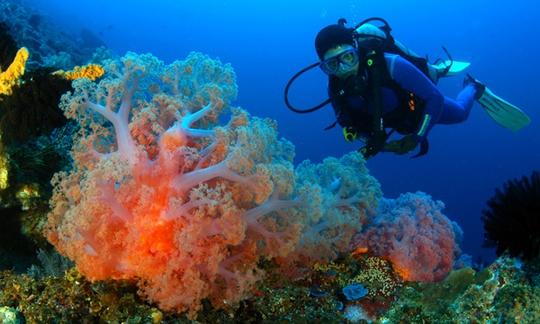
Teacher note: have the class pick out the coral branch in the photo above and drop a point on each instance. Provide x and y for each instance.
(109, 199)
(184, 182)
(189, 119)
(171, 214)
(126, 146)
(253, 215)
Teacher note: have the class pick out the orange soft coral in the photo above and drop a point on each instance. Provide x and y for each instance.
(187, 211)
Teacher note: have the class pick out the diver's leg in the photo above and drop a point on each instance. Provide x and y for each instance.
(456, 111)
(432, 71)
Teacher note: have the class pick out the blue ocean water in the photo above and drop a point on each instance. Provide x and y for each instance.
(268, 41)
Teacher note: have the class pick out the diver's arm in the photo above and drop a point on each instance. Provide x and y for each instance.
(410, 78)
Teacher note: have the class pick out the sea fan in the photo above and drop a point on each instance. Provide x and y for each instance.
(512, 218)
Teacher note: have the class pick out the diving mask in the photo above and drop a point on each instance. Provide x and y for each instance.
(348, 59)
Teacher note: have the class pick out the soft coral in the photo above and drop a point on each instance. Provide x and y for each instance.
(186, 211)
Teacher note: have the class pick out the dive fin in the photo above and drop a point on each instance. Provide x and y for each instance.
(503, 112)
(455, 67)
(424, 148)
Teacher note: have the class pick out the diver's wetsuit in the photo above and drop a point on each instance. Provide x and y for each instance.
(443, 110)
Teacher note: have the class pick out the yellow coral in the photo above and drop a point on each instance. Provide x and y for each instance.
(11, 76)
(27, 194)
(90, 71)
(3, 172)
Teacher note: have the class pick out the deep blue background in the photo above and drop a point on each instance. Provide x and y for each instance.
(268, 41)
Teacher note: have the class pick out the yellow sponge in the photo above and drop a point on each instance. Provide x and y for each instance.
(90, 71)
(11, 76)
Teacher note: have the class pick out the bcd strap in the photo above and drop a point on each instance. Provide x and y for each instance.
(378, 137)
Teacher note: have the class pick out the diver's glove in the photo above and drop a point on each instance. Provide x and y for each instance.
(375, 144)
(367, 151)
(402, 146)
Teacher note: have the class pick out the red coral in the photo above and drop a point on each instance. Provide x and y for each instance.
(414, 235)
(187, 212)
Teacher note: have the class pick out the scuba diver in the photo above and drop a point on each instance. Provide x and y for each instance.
(377, 87)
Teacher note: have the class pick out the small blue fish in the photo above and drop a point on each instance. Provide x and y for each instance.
(336, 184)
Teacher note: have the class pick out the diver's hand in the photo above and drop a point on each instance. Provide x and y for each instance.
(375, 144)
(402, 146)
(367, 152)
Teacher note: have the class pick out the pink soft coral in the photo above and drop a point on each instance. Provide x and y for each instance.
(415, 235)
(187, 211)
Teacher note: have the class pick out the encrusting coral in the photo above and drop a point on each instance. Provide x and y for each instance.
(505, 292)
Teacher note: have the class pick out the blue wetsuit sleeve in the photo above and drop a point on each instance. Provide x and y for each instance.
(410, 78)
